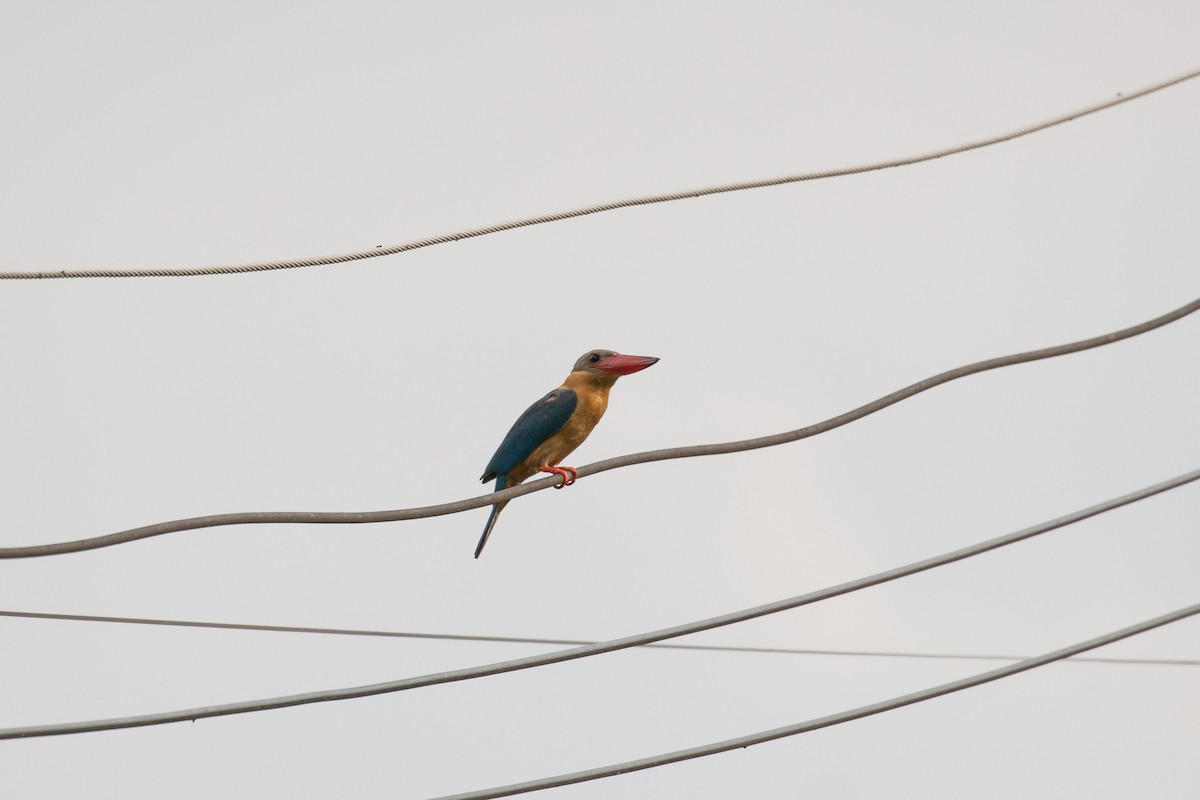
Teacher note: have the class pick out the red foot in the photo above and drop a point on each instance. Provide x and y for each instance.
(569, 474)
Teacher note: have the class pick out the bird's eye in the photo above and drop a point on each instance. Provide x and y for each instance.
(593, 358)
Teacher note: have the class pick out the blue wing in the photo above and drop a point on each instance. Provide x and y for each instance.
(540, 421)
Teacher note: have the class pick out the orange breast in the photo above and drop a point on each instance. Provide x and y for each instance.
(592, 403)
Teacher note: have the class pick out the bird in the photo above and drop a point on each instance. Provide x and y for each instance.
(554, 426)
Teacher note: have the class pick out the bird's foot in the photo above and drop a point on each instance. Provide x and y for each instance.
(569, 474)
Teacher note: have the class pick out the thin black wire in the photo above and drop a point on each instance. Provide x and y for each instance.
(586, 651)
(375, 252)
(827, 721)
(786, 437)
(466, 637)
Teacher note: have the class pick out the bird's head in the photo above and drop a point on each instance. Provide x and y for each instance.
(608, 364)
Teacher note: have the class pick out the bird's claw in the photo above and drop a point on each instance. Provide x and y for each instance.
(569, 475)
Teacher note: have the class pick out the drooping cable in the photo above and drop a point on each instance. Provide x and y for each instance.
(598, 208)
(469, 637)
(363, 517)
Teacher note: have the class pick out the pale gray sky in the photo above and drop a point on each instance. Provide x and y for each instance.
(187, 134)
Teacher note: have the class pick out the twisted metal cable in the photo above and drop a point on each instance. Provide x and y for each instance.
(363, 517)
(264, 266)
(826, 721)
(586, 651)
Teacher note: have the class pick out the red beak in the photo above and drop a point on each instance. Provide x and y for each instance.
(625, 365)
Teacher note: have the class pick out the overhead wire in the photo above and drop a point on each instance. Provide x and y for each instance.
(826, 721)
(645, 457)
(786, 437)
(467, 637)
(594, 648)
(586, 651)
(524, 222)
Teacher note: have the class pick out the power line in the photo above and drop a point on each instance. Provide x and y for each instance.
(786, 437)
(586, 651)
(465, 637)
(600, 207)
(827, 721)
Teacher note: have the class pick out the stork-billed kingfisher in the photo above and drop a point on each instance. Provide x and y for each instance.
(554, 426)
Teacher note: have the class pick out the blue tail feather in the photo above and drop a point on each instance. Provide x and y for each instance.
(501, 483)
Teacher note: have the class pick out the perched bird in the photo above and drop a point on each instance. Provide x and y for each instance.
(554, 426)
